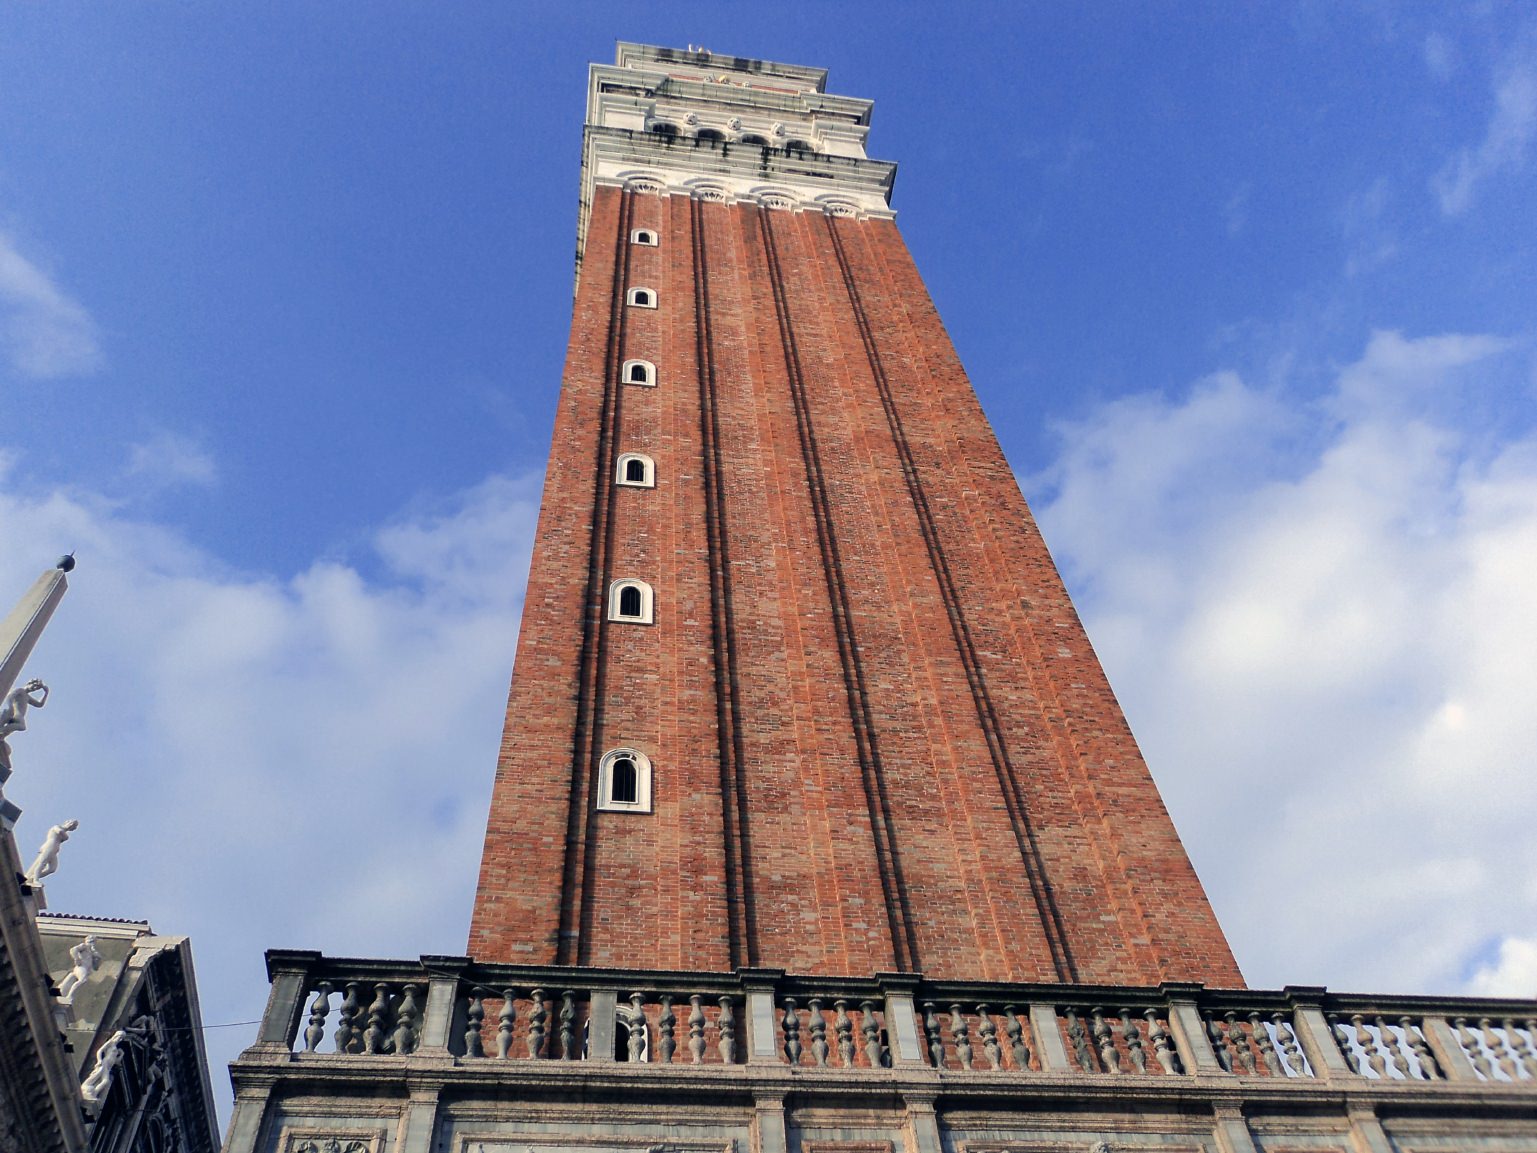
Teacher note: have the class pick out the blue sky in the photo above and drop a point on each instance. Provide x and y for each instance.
(1246, 290)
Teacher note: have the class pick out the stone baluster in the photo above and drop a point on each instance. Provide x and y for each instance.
(1265, 1045)
(666, 1039)
(1290, 1050)
(696, 1029)
(637, 1027)
(1521, 1044)
(935, 1038)
(1374, 1054)
(537, 1016)
(874, 1053)
(504, 1023)
(1219, 1044)
(378, 1035)
(989, 1032)
(1168, 1060)
(1080, 1038)
(349, 1037)
(405, 1021)
(1243, 1056)
(319, 1011)
(1394, 1047)
(726, 1025)
(474, 1020)
(1347, 1050)
(1014, 1028)
(1132, 1036)
(961, 1035)
(1503, 1057)
(1429, 1070)
(565, 1021)
(845, 1030)
(818, 1031)
(1105, 1040)
(1473, 1049)
(791, 1027)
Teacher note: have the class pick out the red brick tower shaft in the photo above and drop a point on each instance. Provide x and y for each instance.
(846, 720)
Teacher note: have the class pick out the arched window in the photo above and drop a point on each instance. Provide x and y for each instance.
(630, 601)
(643, 236)
(624, 781)
(711, 134)
(642, 297)
(751, 138)
(636, 470)
(662, 128)
(638, 372)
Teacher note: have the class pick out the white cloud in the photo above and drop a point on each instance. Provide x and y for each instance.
(168, 459)
(1514, 972)
(260, 761)
(1506, 140)
(1320, 617)
(43, 332)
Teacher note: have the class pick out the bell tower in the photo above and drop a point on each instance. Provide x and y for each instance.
(786, 587)
(816, 826)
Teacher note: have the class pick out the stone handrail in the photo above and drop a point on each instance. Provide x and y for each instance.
(452, 1007)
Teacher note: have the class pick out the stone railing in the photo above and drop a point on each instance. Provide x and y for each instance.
(325, 1008)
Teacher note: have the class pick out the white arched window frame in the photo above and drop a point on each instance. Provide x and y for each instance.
(639, 372)
(641, 297)
(640, 602)
(612, 766)
(626, 473)
(644, 236)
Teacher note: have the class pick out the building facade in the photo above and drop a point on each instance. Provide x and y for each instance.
(817, 827)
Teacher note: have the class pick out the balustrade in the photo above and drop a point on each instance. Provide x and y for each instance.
(1378, 1047)
(1499, 1049)
(506, 1013)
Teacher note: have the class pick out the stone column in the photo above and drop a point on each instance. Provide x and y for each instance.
(444, 1021)
(245, 1122)
(1231, 1130)
(289, 971)
(762, 1037)
(602, 1005)
(1313, 1033)
(1448, 1051)
(1366, 1131)
(903, 1037)
(421, 1118)
(1048, 1041)
(1188, 1030)
(922, 1123)
(769, 1124)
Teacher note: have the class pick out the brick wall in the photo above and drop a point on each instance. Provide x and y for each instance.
(881, 738)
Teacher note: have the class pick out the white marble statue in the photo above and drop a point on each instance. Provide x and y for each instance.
(85, 958)
(110, 1056)
(47, 862)
(13, 714)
